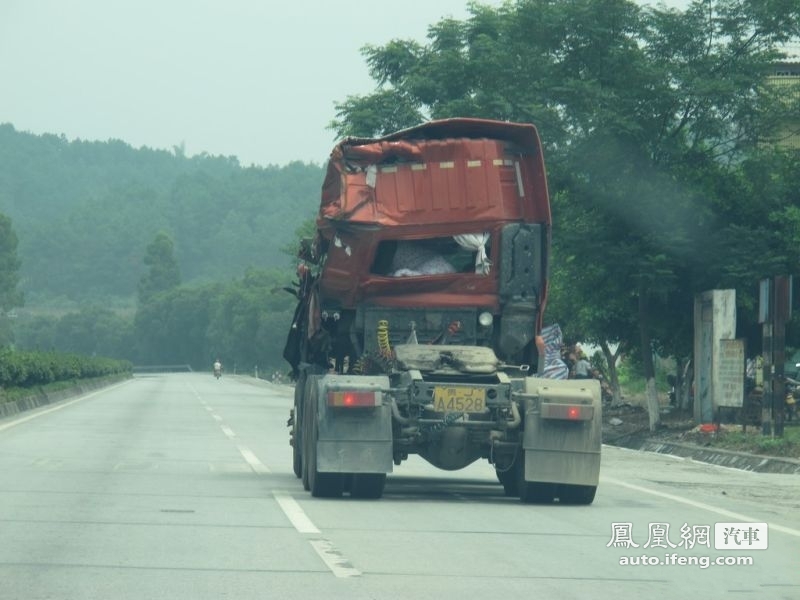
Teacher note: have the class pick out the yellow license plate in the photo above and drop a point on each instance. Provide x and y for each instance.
(459, 399)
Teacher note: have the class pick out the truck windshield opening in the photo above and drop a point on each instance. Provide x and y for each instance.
(467, 253)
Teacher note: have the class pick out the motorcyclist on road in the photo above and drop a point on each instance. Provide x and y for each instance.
(217, 368)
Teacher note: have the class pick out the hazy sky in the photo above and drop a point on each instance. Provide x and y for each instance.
(256, 79)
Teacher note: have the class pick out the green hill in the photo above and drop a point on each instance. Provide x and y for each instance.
(85, 211)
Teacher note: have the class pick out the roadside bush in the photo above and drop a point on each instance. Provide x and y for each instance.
(29, 369)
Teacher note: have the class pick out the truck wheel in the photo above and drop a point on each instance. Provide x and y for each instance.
(297, 446)
(321, 485)
(508, 478)
(307, 400)
(306, 452)
(367, 485)
(532, 492)
(308, 410)
(536, 492)
(297, 459)
(576, 494)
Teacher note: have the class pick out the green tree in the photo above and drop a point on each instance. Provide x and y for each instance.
(171, 327)
(251, 319)
(163, 273)
(94, 331)
(90, 331)
(650, 117)
(10, 296)
(37, 333)
(243, 322)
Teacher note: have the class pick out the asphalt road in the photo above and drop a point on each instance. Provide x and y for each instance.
(180, 486)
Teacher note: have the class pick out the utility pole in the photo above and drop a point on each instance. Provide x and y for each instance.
(775, 309)
(783, 311)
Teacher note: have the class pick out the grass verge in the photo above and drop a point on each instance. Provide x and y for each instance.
(755, 442)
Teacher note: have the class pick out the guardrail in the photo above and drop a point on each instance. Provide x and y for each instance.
(143, 369)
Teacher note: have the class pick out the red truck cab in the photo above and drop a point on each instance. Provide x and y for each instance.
(445, 222)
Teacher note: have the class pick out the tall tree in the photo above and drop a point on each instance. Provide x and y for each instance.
(647, 116)
(163, 273)
(251, 319)
(10, 296)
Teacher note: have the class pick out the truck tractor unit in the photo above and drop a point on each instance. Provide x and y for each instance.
(420, 308)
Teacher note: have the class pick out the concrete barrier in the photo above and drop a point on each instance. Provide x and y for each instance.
(41, 397)
(724, 458)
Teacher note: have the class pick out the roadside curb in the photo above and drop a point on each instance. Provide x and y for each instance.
(39, 397)
(723, 458)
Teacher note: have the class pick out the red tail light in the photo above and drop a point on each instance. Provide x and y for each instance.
(567, 412)
(352, 399)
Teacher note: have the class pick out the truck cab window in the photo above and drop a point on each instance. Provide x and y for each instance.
(413, 258)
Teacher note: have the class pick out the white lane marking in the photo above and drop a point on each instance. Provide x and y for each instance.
(40, 413)
(252, 460)
(701, 505)
(337, 563)
(294, 513)
(249, 456)
(332, 558)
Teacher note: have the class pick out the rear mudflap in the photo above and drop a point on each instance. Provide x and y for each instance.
(562, 434)
(354, 439)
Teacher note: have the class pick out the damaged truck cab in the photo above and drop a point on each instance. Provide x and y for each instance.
(420, 301)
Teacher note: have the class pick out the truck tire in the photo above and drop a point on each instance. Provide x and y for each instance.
(321, 485)
(367, 485)
(308, 410)
(297, 446)
(307, 401)
(532, 492)
(576, 494)
(536, 492)
(508, 478)
(306, 450)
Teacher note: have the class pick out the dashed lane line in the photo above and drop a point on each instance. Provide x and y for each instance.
(330, 555)
(294, 513)
(252, 460)
(337, 563)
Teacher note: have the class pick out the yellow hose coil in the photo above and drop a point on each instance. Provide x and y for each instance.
(383, 339)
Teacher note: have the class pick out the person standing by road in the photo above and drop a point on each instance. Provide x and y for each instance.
(583, 368)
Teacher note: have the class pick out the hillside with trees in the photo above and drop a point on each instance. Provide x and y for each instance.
(85, 211)
(147, 255)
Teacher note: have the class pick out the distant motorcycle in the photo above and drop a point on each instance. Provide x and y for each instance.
(217, 369)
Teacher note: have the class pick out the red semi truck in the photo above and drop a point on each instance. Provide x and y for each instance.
(420, 304)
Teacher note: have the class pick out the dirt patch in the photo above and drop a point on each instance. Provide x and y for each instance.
(628, 425)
